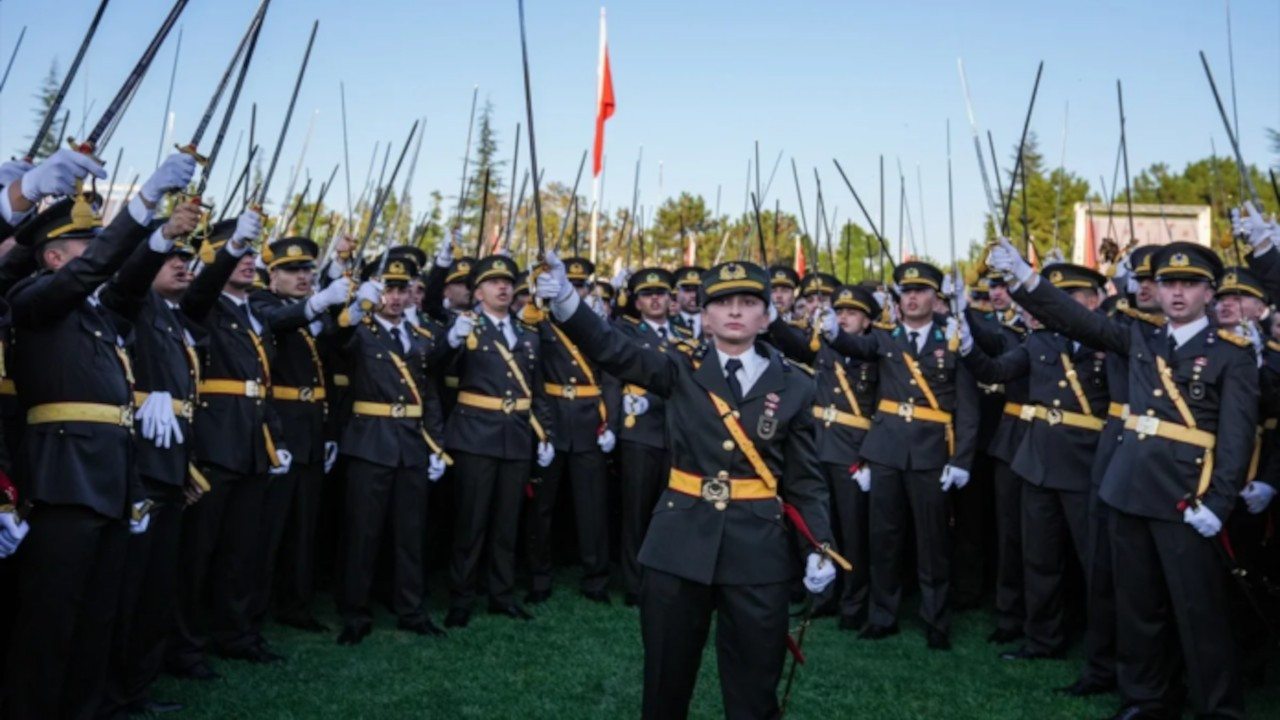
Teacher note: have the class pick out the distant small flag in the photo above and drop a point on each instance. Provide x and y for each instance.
(799, 257)
(1033, 257)
(604, 100)
(691, 251)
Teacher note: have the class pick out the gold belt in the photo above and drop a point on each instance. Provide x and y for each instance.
(1119, 411)
(1146, 425)
(386, 410)
(1054, 416)
(829, 414)
(300, 394)
(487, 402)
(571, 392)
(238, 388)
(1015, 410)
(910, 412)
(451, 381)
(340, 380)
(7, 387)
(185, 409)
(119, 415)
(719, 489)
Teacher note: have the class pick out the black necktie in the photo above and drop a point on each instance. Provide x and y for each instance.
(395, 335)
(502, 330)
(913, 337)
(1173, 345)
(731, 368)
(662, 331)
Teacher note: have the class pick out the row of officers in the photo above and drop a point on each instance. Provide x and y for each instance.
(169, 432)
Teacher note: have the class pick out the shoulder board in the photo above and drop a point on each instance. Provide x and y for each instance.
(800, 365)
(421, 330)
(632, 320)
(1273, 345)
(1234, 339)
(1157, 320)
(686, 346)
(682, 330)
(520, 323)
(885, 325)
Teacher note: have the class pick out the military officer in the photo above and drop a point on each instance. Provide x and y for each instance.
(688, 285)
(1174, 477)
(393, 451)
(845, 397)
(920, 447)
(817, 288)
(783, 280)
(584, 408)
(742, 449)
(1065, 412)
(502, 414)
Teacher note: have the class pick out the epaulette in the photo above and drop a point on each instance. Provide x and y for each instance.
(421, 331)
(685, 346)
(520, 322)
(800, 365)
(1234, 339)
(1273, 345)
(800, 323)
(681, 330)
(885, 325)
(1157, 320)
(632, 320)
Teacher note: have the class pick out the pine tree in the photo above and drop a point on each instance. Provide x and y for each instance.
(45, 96)
(485, 159)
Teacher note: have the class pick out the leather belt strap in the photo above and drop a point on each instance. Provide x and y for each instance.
(118, 415)
(182, 408)
(299, 394)
(1189, 420)
(1073, 377)
(238, 388)
(923, 384)
(1055, 416)
(910, 412)
(830, 414)
(572, 392)
(1119, 411)
(1145, 426)
(386, 410)
(340, 380)
(585, 367)
(7, 387)
(488, 402)
(719, 489)
(1014, 410)
(748, 448)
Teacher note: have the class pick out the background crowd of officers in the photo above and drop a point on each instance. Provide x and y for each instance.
(200, 427)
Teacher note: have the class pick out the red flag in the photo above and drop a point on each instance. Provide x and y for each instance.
(604, 100)
(1090, 249)
(1033, 257)
(799, 257)
(691, 252)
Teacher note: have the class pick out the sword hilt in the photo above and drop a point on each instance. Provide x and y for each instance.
(85, 148)
(190, 149)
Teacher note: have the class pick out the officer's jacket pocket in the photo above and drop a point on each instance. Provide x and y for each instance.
(770, 510)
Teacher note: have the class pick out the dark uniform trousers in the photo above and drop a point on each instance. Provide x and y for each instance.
(751, 644)
(219, 567)
(643, 476)
(1050, 519)
(896, 496)
(1100, 586)
(489, 492)
(376, 492)
(850, 515)
(1011, 609)
(294, 576)
(588, 475)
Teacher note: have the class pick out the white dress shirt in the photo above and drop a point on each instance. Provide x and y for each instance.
(504, 323)
(753, 366)
(663, 327)
(401, 327)
(1182, 334)
(921, 338)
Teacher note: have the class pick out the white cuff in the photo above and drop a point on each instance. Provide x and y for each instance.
(158, 242)
(564, 309)
(316, 327)
(139, 211)
(6, 208)
(237, 248)
(1031, 284)
(312, 311)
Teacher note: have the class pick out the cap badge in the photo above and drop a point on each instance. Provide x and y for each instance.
(1179, 260)
(733, 271)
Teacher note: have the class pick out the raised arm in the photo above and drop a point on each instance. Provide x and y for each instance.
(1003, 368)
(1057, 311)
(792, 341)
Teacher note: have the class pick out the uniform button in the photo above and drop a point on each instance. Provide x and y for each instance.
(1042, 357)
(509, 374)
(1151, 412)
(1158, 392)
(1199, 461)
(912, 382)
(670, 504)
(1062, 383)
(1057, 403)
(97, 333)
(728, 446)
(574, 363)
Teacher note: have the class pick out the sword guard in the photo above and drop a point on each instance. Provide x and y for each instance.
(85, 148)
(190, 149)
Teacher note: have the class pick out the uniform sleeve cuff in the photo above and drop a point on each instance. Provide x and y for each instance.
(158, 242)
(139, 212)
(6, 208)
(564, 309)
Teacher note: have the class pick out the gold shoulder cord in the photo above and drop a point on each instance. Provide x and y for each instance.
(1073, 377)
(1171, 387)
(914, 367)
(586, 369)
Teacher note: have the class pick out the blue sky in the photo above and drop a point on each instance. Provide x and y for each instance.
(697, 82)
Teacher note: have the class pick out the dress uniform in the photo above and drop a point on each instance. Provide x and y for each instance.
(921, 444)
(301, 330)
(1065, 414)
(501, 412)
(643, 445)
(392, 446)
(997, 332)
(718, 540)
(75, 379)
(444, 281)
(817, 288)
(1187, 439)
(165, 364)
(783, 281)
(584, 409)
(237, 442)
(845, 397)
(688, 287)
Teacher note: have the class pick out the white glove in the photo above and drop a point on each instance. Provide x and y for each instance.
(862, 476)
(598, 305)
(159, 424)
(444, 254)
(174, 174)
(636, 405)
(248, 229)
(830, 328)
(1005, 258)
(58, 174)
(330, 455)
(618, 282)
(773, 316)
(1203, 520)
(948, 285)
(818, 573)
(463, 325)
(1123, 271)
(546, 453)
(335, 294)
(435, 467)
(1257, 495)
(1054, 257)
(966, 336)
(286, 459)
(553, 284)
(606, 441)
(12, 530)
(369, 292)
(1251, 225)
(1249, 331)
(954, 477)
(960, 301)
(13, 170)
(137, 527)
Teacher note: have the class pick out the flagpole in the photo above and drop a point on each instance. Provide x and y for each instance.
(596, 176)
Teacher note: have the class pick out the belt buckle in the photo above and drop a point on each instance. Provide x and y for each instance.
(1053, 416)
(251, 388)
(570, 392)
(126, 416)
(508, 405)
(716, 490)
(1148, 425)
(398, 410)
(188, 409)
(829, 414)
(307, 394)
(906, 411)
(1027, 413)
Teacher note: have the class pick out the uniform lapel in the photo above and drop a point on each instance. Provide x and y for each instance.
(771, 381)
(710, 376)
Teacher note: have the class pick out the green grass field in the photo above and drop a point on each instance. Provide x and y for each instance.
(581, 660)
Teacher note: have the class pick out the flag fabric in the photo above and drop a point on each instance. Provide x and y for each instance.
(604, 100)
(1033, 257)
(799, 257)
(1090, 247)
(691, 251)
